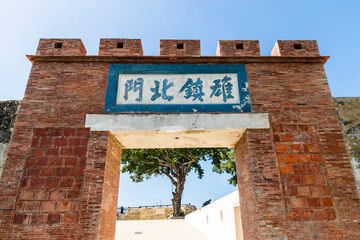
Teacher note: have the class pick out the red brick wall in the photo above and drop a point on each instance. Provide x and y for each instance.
(53, 179)
(51, 186)
(316, 177)
(58, 96)
(260, 194)
(110, 190)
(94, 177)
(279, 196)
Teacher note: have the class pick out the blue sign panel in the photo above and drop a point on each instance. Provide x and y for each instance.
(134, 88)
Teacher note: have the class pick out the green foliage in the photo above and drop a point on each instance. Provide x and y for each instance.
(175, 163)
(228, 166)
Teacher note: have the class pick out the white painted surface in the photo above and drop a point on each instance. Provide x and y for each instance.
(130, 122)
(216, 221)
(156, 230)
(177, 130)
(178, 81)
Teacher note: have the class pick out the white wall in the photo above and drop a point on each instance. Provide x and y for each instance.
(207, 220)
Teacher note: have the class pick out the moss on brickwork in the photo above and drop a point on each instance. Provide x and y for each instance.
(348, 110)
(8, 112)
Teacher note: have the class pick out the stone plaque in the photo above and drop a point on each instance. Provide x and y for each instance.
(177, 88)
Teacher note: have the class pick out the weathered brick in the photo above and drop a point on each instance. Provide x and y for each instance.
(21, 218)
(303, 191)
(66, 151)
(42, 194)
(51, 183)
(311, 148)
(73, 194)
(69, 132)
(290, 158)
(38, 151)
(53, 218)
(326, 202)
(293, 214)
(32, 206)
(41, 161)
(286, 169)
(295, 148)
(26, 194)
(37, 218)
(281, 148)
(70, 161)
(47, 206)
(298, 202)
(316, 157)
(66, 182)
(286, 137)
(80, 151)
(36, 183)
(46, 141)
(63, 206)
(69, 218)
(76, 172)
(307, 214)
(55, 161)
(309, 179)
(60, 142)
(314, 202)
(57, 194)
(74, 141)
(304, 158)
(52, 151)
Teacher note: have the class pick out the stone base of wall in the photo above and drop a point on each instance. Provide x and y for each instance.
(348, 110)
(8, 113)
(156, 213)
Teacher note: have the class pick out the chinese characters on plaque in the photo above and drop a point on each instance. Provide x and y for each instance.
(178, 89)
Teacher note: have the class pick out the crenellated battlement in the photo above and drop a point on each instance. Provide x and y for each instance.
(60, 47)
(120, 47)
(177, 47)
(296, 49)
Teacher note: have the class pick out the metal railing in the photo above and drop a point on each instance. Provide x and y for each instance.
(122, 209)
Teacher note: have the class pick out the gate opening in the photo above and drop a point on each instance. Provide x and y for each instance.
(151, 131)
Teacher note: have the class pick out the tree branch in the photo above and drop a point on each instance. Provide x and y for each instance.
(171, 179)
(161, 162)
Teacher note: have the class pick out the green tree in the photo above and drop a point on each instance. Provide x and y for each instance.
(175, 163)
(227, 166)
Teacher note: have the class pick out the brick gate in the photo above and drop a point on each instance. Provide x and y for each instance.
(60, 179)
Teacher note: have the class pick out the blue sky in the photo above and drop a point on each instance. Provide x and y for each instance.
(334, 24)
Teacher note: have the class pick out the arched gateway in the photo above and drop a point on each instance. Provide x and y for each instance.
(61, 175)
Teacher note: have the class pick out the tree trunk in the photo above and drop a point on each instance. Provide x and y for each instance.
(177, 195)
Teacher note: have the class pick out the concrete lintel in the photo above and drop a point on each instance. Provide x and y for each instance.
(144, 122)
